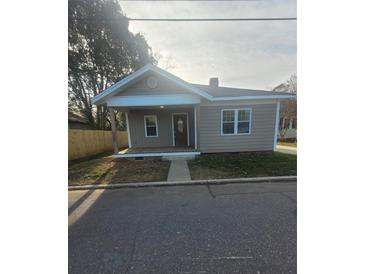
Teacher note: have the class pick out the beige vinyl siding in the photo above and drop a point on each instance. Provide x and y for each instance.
(163, 87)
(164, 123)
(260, 139)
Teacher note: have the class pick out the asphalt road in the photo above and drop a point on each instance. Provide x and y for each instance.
(236, 228)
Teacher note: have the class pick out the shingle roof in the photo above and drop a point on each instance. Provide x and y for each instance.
(225, 91)
(75, 117)
(205, 91)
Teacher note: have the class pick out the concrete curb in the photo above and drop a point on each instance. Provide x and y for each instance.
(187, 183)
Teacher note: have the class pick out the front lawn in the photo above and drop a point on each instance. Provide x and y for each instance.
(106, 170)
(219, 166)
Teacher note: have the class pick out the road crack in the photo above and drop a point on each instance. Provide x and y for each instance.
(210, 192)
(133, 246)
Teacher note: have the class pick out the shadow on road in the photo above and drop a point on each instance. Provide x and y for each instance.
(234, 228)
(87, 194)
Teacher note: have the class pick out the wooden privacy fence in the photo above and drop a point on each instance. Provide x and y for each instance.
(84, 143)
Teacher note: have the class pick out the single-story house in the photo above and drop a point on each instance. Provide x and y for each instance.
(167, 116)
(76, 121)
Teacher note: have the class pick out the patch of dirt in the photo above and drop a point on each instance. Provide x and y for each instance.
(107, 170)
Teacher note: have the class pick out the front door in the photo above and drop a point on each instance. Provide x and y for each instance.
(180, 129)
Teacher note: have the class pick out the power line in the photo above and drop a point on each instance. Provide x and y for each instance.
(189, 0)
(200, 19)
(213, 19)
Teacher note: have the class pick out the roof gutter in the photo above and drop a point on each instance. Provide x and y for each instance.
(261, 97)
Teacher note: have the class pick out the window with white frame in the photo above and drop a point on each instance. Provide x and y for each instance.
(150, 126)
(236, 121)
(228, 124)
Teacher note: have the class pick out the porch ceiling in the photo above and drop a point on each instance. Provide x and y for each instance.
(153, 100)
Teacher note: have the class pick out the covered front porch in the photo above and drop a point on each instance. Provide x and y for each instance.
(161, 110)
(158, 131)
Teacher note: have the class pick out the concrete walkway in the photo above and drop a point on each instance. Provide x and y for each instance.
(286, 149)
(179, 171)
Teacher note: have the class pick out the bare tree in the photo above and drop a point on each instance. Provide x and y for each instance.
(292, 84)
(165, 62)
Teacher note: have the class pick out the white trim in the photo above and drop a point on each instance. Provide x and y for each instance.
(155, 154)
(181, 82)
(128, 130)
(259, 97)
(276, 125)
(195, 130)
(153, 100)
(235, 121)
(145, 125)
(117, 87)
(187, 126)
(239, 103)
(96, 99)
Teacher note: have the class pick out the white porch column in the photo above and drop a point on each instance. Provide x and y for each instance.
(195, 129)
(276, 124)
(128, 130)
(114, 130)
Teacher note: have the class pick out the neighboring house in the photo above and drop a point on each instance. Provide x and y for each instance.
(288, 115)
(287, 128)
(75, 121)
(167, 116)
(288, 119)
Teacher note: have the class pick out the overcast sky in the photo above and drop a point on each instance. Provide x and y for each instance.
(242, 54)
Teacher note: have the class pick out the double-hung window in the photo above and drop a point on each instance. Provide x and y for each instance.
(228, 124)
(236, 121)
(150, 126)
(243, 121)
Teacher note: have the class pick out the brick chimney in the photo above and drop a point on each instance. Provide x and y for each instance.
(214, 82)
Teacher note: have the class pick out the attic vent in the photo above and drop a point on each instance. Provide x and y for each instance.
(152, 82)
(214, 82)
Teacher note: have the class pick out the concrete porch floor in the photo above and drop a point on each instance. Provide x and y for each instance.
(133, 150)
(156, 152)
